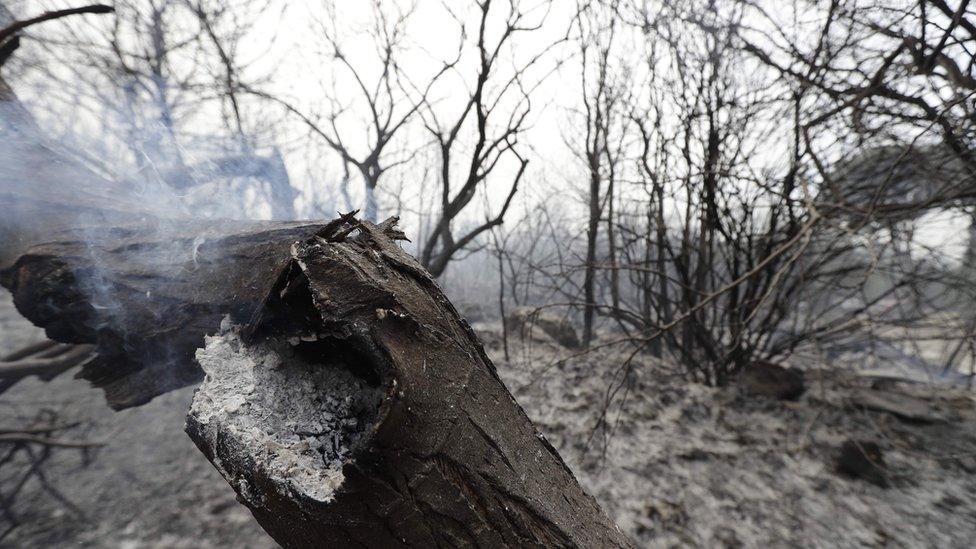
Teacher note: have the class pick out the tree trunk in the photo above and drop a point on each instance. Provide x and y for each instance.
(589, 273)
(371, 209)
(448, 458)
(440, 454)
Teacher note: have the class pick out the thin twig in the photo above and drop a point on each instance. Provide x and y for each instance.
(18, 26)
(47, 441)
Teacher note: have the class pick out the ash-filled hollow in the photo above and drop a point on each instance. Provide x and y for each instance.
(298, 417)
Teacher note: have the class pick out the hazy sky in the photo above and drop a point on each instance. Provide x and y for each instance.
(287, 43)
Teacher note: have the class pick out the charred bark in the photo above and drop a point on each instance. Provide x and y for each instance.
(440, 454)
(146, 295)
(448, 458)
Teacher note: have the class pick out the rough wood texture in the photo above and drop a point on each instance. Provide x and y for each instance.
(146, 295)
(452, 460)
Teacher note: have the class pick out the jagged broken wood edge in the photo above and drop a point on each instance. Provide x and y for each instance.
(452, 459)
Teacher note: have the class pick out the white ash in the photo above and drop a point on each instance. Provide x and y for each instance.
(695, 466)
(298, 421)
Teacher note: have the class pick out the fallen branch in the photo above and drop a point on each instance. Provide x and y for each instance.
(38, 430)
(49, 367)
(145, 295)
(95, 263)
(18, 26)
(48, 441)
(26, 452)
(385, 424)
(354, 407)
(29, 350)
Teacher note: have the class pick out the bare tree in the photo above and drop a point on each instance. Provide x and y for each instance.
(886, 121)
(604, 88)
(910, 82)
(389, 103)
(144, 79)
(494, 117)
(480, 140)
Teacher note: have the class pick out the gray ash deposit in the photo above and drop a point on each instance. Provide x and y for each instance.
(300, 419)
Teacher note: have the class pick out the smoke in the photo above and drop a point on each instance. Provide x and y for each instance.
(54, 192)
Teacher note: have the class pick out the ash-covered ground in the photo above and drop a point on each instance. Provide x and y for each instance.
(148, 486)
(689, 465)
(684, 465)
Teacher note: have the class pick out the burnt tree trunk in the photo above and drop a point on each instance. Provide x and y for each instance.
(450, 458)
(98, 261)
(447, 458)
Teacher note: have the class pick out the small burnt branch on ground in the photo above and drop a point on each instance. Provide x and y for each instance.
(46, 359)
(24, 453)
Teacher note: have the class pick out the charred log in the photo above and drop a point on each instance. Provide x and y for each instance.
(354, 406)
(147, 295)
(358, 409)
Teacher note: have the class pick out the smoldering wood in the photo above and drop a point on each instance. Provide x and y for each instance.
(451, 460)
(93, 261)
(45, 190)
(145, 295)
